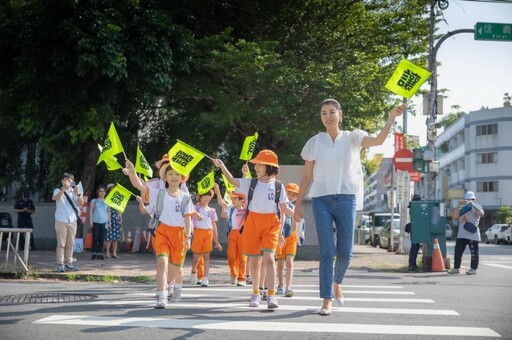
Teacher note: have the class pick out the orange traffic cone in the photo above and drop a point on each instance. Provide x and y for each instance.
(129, 241)
(88, 239)
(437, 258)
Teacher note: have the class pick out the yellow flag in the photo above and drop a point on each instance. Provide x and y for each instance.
(407, 79)
(118, 198)
(229, 186)
(112, 145)
(184, 158)
(248, 148)
(206, 184)
(141, 164)
(227, 198)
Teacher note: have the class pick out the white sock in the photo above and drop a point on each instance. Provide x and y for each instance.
(161, 293)
(177, 285)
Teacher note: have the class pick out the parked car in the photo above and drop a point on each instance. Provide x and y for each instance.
(496, 233)
(363, 223)
(508, 234)
(449, 232)
(385, 234)
(377, 221)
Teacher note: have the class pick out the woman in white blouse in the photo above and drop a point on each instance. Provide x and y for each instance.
(333, 168)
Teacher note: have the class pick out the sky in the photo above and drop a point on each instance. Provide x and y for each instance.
(476, 73)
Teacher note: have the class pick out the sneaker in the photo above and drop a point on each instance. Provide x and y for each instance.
(289, 293)
(248, 280)
(413, 269)
(263, 295)
(176, 294)
(100, 257)
(233, 281)
(70, 268)
(471, 271)
(454, 271)
(94, 257)
(255, 300)
(272, 302)
(240, 283)
(170, 290)
(280, 290)
(161, 301)
(60, 268)
(205, 282)
(193, 278)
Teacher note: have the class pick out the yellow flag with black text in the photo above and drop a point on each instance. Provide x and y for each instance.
(229, 186)
(248, 147)
(183, 158)
(407, 79)
(141, 164)
(110, 161)
(118, 198)
(112, 146)
(206, 184)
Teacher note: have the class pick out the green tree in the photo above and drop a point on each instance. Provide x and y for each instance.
(504, 214)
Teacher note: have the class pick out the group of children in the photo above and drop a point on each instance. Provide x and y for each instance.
(261, 229)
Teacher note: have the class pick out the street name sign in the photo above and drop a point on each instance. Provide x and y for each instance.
(493, 31)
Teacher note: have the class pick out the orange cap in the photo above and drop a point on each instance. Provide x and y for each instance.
(237, 195)
(266, 157)
(292, 187)
(165, 158)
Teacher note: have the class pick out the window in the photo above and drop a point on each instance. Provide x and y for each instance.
(485, 158)
(487, 186)
(489, 129)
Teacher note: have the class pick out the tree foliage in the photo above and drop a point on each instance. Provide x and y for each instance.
(204, 71)
(504, 214)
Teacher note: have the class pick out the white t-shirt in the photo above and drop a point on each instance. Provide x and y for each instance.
(263, 198)
(209, 218)
(472, 217)
(171, 212)
(158, 183)
(337, 167)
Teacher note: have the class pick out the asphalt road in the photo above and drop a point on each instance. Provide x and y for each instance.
(378, 305)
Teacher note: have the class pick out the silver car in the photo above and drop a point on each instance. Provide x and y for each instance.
(385, 234)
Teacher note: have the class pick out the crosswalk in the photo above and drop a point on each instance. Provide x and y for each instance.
(212, 308)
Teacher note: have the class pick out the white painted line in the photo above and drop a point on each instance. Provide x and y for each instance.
(247, 289)
(306, 298)
(403, 160)
(497, 265)
(355, 286)
(245, 306)
(265, 326)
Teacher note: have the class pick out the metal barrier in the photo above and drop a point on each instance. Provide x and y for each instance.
(10, 247)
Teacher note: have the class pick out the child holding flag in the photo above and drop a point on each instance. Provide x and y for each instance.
(287, 252)
(205, 231)
(172, 236)
(262, 229)
(235, 213)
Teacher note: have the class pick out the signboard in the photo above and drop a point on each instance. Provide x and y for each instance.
(403, 187)
(493, 31)
(402, 160)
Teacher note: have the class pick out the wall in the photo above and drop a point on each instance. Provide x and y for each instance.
(44, 230)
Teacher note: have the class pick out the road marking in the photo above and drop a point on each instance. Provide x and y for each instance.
(369, 292)
(308, 298)
(264, 326)
(212, 305)
(355, 286)
(497, 265)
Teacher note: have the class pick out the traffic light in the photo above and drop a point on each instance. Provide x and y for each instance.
(418, 162)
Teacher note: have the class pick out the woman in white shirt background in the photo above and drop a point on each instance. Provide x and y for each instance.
(333, 168)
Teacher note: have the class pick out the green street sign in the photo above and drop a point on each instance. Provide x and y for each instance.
(493, 31)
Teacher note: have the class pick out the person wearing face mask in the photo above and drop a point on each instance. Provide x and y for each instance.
(334, 171)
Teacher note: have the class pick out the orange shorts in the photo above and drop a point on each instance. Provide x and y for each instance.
(170, 241)
(289, 248)
(261, 233)
(202, 242)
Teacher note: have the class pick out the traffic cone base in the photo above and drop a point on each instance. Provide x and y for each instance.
(437, 258)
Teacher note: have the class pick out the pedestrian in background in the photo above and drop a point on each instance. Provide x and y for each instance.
(67, 202)
(114, 232)
(415, 247)
(25, 208)
(98, 219)
(333, 168)
(468, 212)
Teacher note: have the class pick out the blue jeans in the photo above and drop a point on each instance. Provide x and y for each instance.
(340, 209)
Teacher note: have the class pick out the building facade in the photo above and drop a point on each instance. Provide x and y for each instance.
(376, 193)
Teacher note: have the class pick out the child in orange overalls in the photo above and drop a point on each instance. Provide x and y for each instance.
(262, 229)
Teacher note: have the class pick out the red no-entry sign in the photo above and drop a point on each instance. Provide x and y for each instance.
(402, 160)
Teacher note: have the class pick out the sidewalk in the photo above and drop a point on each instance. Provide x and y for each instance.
(128, 266)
